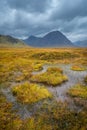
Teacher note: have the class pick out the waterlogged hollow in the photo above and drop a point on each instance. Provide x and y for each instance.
(59, 92)
(21, 109)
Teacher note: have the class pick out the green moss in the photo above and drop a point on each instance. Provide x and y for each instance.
(53, 76)
(30, 93)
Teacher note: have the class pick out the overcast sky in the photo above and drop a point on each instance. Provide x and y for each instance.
(22, 18)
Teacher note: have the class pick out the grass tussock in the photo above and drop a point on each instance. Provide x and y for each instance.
(37, 66)
(54, 55)
(79, 91)
(17, 64)
(57, 117)
(30, 93)
(8, 119)
(78, 68)
(53, 76)
(85, 79)
(79, 95)
(26, 60)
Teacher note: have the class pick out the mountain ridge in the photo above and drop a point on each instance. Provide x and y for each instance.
(7, 40)
(52, 39)
(82, 43)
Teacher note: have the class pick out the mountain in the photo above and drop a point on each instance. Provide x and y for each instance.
(81, 43)
(52, 39)
(6, 40)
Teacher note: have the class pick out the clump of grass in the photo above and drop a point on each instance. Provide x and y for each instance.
(57, 117)
(23, 60)
(78, 68)
(8, 119)
(30, 93)
(38, 67)
(54, 76)
(54, 69)
(79, 94)
(54, 55)
(79, 91)
(85, 79)
(19, 78)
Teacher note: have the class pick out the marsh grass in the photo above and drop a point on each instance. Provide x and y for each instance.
(79, 95)
(37, 66)
(50, 117)
(79, 91)
(53, 76)
(57, 117)
(30, 93)
(78, 68)
(85, 79)
(8, 118)
(26, 60)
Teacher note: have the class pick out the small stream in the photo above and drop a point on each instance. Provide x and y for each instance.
(59, 92)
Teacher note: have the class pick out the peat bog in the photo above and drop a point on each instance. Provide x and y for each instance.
(43, 89)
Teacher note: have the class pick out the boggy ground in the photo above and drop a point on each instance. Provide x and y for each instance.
(28, 93)
(53, 76)
(17, 66)
(79, 94)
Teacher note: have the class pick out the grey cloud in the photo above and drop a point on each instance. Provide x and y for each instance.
(29, 5)
(69, 9)
(22, 18)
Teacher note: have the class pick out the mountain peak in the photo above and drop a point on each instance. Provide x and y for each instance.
(55, 32)
(52, 39)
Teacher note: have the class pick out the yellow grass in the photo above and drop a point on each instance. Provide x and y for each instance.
(17, 65)
(78, 68)
(78, 91)
(30, 93)
(54, 76)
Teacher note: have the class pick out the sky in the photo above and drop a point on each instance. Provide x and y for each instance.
(22, 18)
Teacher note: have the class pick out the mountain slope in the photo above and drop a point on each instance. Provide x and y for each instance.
(6, 40)
(81, 43)
(52, 39)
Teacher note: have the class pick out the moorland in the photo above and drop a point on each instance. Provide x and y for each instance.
(43, 88)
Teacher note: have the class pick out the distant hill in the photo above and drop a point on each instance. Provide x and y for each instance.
(6, 40)
(52, 39)
(81, 43)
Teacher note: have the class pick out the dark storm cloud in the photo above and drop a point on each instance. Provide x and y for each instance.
(29, 5)
(69, 9)
(22, 18)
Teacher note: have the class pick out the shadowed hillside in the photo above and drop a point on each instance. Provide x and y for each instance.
(52, 39)
(6, 41)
